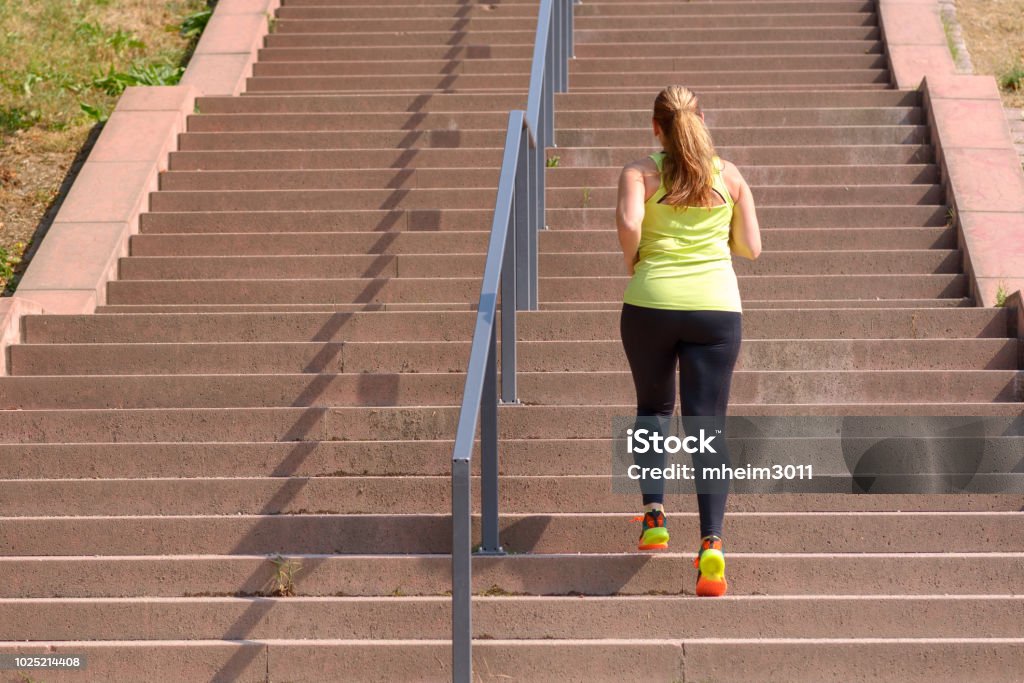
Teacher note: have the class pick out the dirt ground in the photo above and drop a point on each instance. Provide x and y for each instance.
(994, 34)
(55, 57)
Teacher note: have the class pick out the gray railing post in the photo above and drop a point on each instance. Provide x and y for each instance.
(509, 303)
(462, 572)
(523, 226)
(489, 543)
(549, 94)
(537, 162)
(572, 38)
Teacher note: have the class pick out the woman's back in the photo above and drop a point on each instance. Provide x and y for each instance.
(684, 259)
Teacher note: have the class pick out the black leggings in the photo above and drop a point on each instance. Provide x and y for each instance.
(705, 344)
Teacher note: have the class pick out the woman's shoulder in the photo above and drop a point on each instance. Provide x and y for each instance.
(731, 176)
(644, 166)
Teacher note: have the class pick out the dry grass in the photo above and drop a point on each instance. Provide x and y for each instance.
(994, 34)
(63, 64)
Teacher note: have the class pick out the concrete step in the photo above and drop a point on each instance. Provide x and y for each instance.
(752, 155)
(589, 137)
(288, 65)
(320, 575)
(443, 388)
(449, 157)
(556, 177)
(563, 533)
(749, 305)
(837, 78)
(760, 660)
(378, 82)
(312, 80)
(546, 325)
(467, 289)
(781, 239)
(250, 660)
(554, 356)
(320, 423)
(564, 102)
(645, 8)
(787, 38)
(722, 118)
(407, 10)
(540, 463)
(585, 13)
(295, 267)
(483, 198)
(297, 495)
(393, 222)
(495, 20)
(164, 238)
(583, 10)
(508, 617)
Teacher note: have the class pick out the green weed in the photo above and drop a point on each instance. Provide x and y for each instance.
(94, 113)
(283, 581)
(552, 162)
(192, 25)
(9, 260)
(1013, 79)
(1001, 296)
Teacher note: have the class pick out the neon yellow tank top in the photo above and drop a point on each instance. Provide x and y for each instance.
(685, 262)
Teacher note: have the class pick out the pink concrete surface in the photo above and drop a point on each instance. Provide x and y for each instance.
(225, 7)
(960, 86)
(108, 191)
(219, 74)
(993, 244)
(61, 301)
(137, 136)
(911, 23)
(77, 256)
(234, 33)
(11, 311)
(975, 123)
(156, 98)
(914, 40)
(984, 179)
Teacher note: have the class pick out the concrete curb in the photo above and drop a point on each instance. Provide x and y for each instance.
(976, 156)
(80, 252)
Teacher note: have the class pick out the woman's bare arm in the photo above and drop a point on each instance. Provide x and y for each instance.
(744, 233)
(629, 212)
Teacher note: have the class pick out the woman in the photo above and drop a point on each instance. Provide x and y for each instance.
(681, 214)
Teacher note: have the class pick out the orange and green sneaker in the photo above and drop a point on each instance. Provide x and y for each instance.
(710, 564)
(654, 533)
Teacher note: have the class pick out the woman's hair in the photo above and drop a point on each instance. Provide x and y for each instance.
(687, 169)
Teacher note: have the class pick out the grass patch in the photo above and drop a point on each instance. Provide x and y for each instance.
(1013, 79)
(63, 64)
(947, 28)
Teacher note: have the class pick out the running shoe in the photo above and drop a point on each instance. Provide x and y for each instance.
(654, 532)
(710, 564)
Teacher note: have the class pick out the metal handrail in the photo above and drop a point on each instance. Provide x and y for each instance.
(511, 269)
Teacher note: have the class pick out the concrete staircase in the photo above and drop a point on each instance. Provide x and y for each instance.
(278, 367)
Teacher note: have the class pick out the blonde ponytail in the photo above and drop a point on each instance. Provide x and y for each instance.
(688, 167)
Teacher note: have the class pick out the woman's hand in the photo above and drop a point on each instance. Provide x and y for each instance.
(631, 264)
